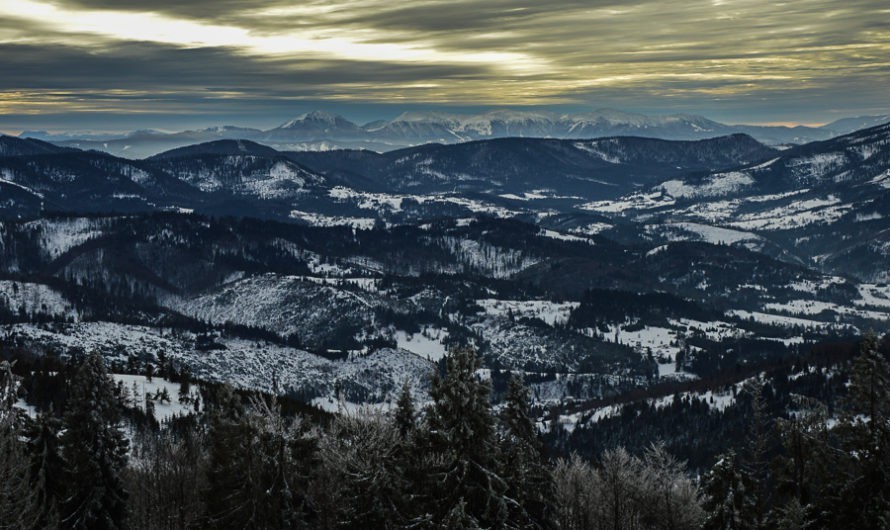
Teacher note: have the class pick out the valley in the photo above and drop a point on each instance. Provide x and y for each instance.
(595, 268)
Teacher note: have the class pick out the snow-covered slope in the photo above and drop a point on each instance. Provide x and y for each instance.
(373, 378)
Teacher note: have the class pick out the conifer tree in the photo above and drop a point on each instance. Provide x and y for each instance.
(754, 463)
(230, 453)
(165, 481)
(185, 384)
(47, 466)
(808, 467)
(728, 500)
(405, 414)
(530, 484)
(462, 430)
(865, 436)
(255, 457)
(459, 518)
(18, 503)
(95, 451)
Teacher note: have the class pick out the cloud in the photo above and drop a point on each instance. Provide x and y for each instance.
(672, 54)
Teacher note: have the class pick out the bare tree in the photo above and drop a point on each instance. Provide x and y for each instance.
(626, 492)
(576, 489)
(165, 481)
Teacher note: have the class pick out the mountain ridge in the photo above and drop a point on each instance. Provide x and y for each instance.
(318, 130)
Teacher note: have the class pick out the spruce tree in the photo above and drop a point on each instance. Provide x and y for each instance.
(459, 518)
(758, 444)
(728, 500)
(462, 430)
(405, 414)
(808, 467)
(256, 458)
(530, 484)
(47, 466)
(18, 503)
(864, 432)
(94, 450)
(165, 481)
(230, 454)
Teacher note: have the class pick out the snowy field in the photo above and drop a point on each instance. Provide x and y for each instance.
(815, 307)
(34, 298)
(317, 219)
(61, 235)
(393, 202)
(249, 364)
(138, 390)
(428, 344)
(550, 312)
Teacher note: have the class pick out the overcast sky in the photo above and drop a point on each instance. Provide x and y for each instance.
(124, 64)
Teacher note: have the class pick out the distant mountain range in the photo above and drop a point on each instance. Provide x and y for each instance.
(243, 177)
(316, 131)
(822, 203)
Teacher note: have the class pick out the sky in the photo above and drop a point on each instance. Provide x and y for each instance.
(118, 65)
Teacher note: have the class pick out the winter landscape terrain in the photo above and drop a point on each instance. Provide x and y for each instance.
(593, 266)
(322, 131)
(362, 264)
(622, 277)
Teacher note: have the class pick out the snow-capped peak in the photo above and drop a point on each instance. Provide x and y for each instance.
(316, 116)
(426, 117)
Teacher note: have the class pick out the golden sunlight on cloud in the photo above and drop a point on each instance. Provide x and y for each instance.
(456, 52)
(159, 28)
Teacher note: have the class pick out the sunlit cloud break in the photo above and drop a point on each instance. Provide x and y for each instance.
(750, 60)
(159, 28)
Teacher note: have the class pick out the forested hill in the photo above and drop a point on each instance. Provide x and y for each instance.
(230, 458)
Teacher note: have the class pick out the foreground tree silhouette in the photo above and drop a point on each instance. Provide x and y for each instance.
(361, 483)
(18, 503)
(95, 451)
(405, 414)
(530, 484)
(462, 431)
(864, 429)
(728, 496)
(256, 459)
(806, 468)
(47, 466)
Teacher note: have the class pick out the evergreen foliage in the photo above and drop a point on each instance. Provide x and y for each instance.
(462, 431)
(729, 499)
(864, 432)
(19, 506)
(47, 466)
(530, 487)
(252, 461)
(95, 452)
(253, 457)
(405, 416)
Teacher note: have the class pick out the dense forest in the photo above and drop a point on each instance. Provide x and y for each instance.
(250, 460)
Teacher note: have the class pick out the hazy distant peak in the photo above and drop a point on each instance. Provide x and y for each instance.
(224, 128)
(316, 117)
(846, 125)
(519, 115)
(16, 146)
(426, 117)
(219, 148)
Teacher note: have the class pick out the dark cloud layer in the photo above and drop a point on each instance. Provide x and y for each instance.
(741, 60)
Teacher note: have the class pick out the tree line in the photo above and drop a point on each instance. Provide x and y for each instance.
(247, 461)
